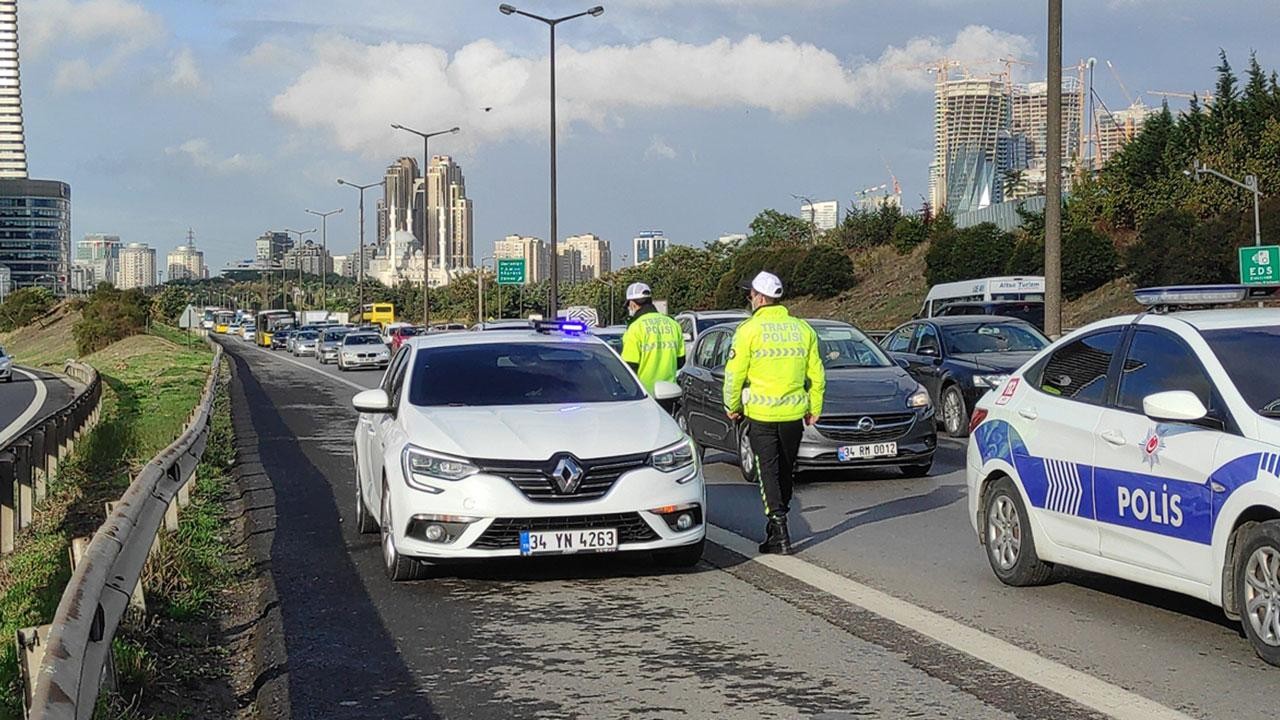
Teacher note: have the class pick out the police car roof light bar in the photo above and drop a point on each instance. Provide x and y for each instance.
(1157, 298)
(567, 327)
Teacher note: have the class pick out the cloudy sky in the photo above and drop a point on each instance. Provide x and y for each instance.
(232, 116)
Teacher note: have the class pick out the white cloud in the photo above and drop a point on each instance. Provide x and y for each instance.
(660, 148)
(354, 90)
(185, 74)
(102, 34)
(199, 153)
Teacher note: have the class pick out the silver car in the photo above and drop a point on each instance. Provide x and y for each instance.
(6, 367)
(304, 343)
(330, 340)
(363, 350)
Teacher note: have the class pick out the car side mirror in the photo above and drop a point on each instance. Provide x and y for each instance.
(372, 401)
(718, 373)
(1174, 406)
(663, 390)
(928, 351)
(902, 362)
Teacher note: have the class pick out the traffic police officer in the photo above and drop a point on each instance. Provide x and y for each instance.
(775, 378)
(653, 344)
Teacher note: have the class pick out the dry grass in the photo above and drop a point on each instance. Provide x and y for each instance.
(46, 343)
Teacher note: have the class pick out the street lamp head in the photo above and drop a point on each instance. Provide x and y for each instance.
(506, 9)
(455, 130)
(341, 181)
(596, 11)
(397, 126)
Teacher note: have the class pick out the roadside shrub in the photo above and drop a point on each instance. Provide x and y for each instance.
(909, 232)
(1174, 248)
(974, 252)
(822, 272)
(108, 316)
(23, 306)
(1089, 261)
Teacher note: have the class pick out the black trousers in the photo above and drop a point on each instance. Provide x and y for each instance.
(775, 446)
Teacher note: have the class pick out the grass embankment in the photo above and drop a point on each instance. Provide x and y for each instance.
(150, 385)
(45, 343)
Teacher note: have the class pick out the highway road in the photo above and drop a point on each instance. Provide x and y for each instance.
(888, 610)
(31, 395)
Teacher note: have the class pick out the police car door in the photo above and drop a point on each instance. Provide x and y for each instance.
(1155, 502)
(1056, 423)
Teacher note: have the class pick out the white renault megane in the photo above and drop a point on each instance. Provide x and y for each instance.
(522, 442)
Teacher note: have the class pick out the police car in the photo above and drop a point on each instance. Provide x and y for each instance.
(1144, 447)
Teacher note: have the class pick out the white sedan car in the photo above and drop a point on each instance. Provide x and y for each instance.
(1144, 447)
(522, 442)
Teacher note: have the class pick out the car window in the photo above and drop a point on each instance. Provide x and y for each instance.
(1238, 349)
(843, 346)
(705, 324)
(1158, 362)
(686, 325)
(723, 348)
(705, 355)
(1078, 370)
(926, 338)
(395, 372)
(992, 337)
(501, 373)
(900, 339)
(359, 339)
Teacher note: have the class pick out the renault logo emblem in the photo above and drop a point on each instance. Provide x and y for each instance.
(567, 475)
(866, 424)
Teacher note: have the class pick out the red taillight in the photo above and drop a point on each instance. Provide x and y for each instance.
(978, 416)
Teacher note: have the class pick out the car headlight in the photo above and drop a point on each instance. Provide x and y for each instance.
(989, 381)
(420, 465)
(673, 458)
(919, 398)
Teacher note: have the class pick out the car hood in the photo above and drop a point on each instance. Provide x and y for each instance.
(1005, 362)
(537, 432)
(857, 391)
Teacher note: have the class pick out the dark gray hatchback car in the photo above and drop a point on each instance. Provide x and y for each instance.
(874, 413)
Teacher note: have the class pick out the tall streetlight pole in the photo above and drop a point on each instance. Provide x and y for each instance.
(360, 243)
(426, 231)
(1251, 184)
(1053, 179)
(597, 11)
(480, 291)
(324, 255)
(813, 217)
(298, 246)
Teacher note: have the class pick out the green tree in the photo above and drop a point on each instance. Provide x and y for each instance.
(909, 232)
(110, 315)
(1089, 261)
(21, 307)
(771, 227)
(973, 252)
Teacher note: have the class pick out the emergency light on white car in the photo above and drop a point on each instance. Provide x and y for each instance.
(1201, 295)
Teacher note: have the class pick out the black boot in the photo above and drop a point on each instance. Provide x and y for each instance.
(778, 539)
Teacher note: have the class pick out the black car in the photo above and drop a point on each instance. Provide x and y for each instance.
(280, 339)
(962, 357)
(874, 414)
(1030, 310)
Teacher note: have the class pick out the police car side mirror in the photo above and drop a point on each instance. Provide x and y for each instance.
(663, 390)
(1174, 406)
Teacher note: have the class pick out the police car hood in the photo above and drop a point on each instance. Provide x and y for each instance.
(1001, 362)
(536, 432)
(858, 391)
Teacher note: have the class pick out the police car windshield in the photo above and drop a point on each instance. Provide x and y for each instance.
(520, 374)
(991, 337)
(1239, 351)
(845, 347)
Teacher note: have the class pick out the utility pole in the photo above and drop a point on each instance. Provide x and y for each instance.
(324, 256)
(360, 243)
(1053, 179)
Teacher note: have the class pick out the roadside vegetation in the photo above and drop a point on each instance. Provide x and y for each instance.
(151, 381)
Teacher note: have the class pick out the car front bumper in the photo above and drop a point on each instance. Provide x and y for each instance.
(357, 362)
(500, 511)
(327, 354)
(6, 371)
(305, 350)
(916, 446)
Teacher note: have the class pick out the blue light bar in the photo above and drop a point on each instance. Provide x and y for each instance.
(1191, 295)
(567, 327)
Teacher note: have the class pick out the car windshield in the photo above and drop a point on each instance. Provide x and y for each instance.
(335, 335)
(407, 331)
(362, 339)
(1239, 350)
(705, 324)
(520, 374)
(308, 335)
(846, 347)
(992, 337)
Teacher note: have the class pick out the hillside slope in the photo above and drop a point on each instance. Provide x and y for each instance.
(46, 343)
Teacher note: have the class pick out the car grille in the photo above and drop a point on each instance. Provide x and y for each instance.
(845, 427)
(533, 478)
(504, 533)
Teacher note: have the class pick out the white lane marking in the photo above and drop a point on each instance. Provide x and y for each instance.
(17, 425)
(314, 369)
(1085, 689)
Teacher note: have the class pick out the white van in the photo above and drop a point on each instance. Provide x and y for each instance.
(983, 290)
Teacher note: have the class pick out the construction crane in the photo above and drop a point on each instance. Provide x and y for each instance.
(1008, 69)
(897, 189)
(1206, 96)
(1127, 95)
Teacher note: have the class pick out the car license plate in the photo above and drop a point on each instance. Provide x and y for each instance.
(552, 542)
(866, 452)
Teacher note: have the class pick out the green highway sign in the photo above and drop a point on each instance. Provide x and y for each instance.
(1260, 265)
(511, 272)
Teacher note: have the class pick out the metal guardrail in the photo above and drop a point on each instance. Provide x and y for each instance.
(78, 643)
(29, 461)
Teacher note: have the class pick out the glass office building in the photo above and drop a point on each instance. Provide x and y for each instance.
(35, 232)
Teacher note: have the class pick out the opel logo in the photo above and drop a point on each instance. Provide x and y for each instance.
(866, 424)
(567, 475)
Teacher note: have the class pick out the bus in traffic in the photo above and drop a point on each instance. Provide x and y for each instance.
(222, 320)
(380, 314)
(207, 318)
(269, 321)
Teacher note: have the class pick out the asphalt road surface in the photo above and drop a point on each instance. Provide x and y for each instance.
(889, 609)
(18, 399)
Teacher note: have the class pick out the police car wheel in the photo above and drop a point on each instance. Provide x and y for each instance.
(955, 419)
(746, 458)
(1007, 535)
(1258, 588)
